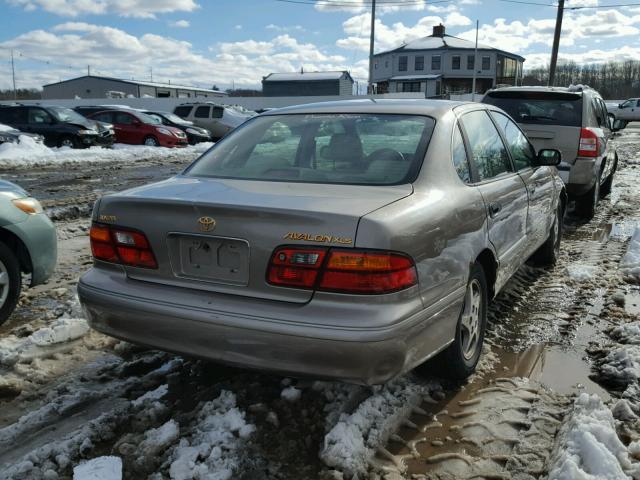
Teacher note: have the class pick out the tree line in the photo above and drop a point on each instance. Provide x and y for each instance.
(21, 94)
(614, 80)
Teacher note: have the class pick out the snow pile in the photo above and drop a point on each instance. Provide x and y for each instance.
(587, 446)
(291, 394)
(630, 264)
(214, 449)
(628, 333)
(101, 468)
(158, 439)
(152, 395)
(28, 153)
(45, 341)
(581, 273)
(353, 441)
(621, 365)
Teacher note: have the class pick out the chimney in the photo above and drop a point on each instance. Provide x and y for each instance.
(438, 31)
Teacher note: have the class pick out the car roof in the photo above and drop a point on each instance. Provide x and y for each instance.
(389, 106)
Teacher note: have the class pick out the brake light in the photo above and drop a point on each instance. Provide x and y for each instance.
(589, 143)
(121, 245)
(342, 270)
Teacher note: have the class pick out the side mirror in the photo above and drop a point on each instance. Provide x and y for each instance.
(618, 125)
(549, 158)
(620, 105)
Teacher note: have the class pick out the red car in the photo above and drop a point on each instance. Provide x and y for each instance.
(137, 128)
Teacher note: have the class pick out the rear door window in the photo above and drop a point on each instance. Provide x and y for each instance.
(202, 112)
(459, 155)
(105, 117)
(217, 112)
(38, 116)
(183, 111)
(541, 108)
(488, 153)
(522, 152)
(123, 119)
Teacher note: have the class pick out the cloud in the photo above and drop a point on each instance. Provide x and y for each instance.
(358, 6)
(285, 28)
(180, 24)
(125, 8)
(238, 27)
(456, 19)
(621, 54)
(69, 47)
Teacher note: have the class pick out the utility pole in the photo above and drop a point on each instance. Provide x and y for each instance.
(475, 65)
(13, 74)
(556, 43)
(151, 73)
(88, 70)
(371, 41)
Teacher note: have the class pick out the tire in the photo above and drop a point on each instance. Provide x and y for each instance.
(605, 188)
(549, 252)
(67, 141)
(151, 141)
(587, 204)
(459, 360)
(10, 282)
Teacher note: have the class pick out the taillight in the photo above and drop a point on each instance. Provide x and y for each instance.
(121, 245)
(589, 143)
(342, 270)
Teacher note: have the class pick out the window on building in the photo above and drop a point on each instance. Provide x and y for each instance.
(471, 62)
(435, 62)
(486, 63)
(375, 65)
(455, 62)
(419, 62)
(402, 63)
(410, 86)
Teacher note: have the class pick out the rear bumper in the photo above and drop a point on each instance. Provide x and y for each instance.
(247, 333)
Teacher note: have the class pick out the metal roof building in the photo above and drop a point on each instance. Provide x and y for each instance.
(307, 84)
(439, 64)
(91, 86)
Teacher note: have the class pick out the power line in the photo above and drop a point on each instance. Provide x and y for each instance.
(364, 3)
(616, 5)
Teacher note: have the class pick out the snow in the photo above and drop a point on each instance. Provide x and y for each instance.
(587, 446)
(158, 439)
(630, 264)
(152, 395)
(28, 152)
(42, 342)
(214, 449)
(621, 365)
(353, 441)
(581, 273)
(291, 394)
(100, 468)
(6, 128)
(628, 333)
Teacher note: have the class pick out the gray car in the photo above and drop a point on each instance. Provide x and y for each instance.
(28, 244)
(575, 121)
(352, 240)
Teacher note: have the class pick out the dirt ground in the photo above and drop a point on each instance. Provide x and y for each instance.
(166, 416)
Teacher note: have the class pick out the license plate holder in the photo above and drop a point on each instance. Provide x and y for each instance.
(211, 259)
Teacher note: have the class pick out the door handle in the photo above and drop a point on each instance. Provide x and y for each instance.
(494, 209)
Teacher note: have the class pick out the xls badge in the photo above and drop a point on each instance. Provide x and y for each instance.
(206, 224)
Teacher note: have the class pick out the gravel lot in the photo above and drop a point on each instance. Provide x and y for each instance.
(556, 395)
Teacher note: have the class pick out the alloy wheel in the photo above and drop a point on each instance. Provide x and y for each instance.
(4, 284)
(66, 142)
(470, 321)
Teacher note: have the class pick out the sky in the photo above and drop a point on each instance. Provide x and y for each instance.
(234, 43)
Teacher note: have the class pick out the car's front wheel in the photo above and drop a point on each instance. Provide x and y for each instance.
(67, 141)
(10, 282)
(460, 358)
(151, 141)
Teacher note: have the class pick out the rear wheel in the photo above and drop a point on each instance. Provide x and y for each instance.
(67, 141)
(151, 141)
(460, 358)
(10, 282)
(586, 204)
(549, 252)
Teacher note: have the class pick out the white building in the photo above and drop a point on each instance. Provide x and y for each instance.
(440, 64)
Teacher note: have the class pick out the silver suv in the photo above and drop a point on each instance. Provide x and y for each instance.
(218, 119)
(575, 121)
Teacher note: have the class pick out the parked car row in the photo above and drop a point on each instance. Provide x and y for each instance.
(59, 126)
(218, 119)
(629, 110)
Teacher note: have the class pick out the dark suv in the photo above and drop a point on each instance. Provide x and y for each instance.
(575, 121)
(60, 126)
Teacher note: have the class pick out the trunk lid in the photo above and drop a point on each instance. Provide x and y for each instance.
(559, 137)
(218, 235)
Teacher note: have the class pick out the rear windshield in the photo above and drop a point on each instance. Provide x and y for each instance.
(358, 149)
(543, 108)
